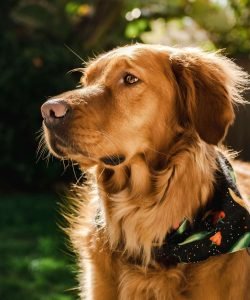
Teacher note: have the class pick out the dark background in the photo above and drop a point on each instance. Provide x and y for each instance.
(34, 61)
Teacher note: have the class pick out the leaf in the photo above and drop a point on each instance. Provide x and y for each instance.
(182, 227)
(135, 28)
(233, 176)
(195, 237)
(238, 200)
(71, 8)
(242, 243)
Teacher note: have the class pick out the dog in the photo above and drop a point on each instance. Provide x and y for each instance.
(148, 122)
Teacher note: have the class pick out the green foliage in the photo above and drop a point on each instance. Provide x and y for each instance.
(134, 29)
(25, 84)
(225, 22)
(34, 60)
(34, 262)
(34, 64)
(34, 67)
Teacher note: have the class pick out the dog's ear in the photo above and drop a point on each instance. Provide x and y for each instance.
(208, 85)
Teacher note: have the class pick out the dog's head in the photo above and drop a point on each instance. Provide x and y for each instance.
(137, 99)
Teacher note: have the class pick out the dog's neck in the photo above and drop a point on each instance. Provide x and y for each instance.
(142, 204)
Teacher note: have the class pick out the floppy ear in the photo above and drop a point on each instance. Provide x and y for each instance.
(208, 85)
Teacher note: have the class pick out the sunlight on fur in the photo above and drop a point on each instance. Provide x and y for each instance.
(147, 124)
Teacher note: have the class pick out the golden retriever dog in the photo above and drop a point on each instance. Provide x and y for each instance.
(147, 123)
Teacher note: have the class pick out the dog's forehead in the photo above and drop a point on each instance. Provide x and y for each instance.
(144, 56)
(129, 52)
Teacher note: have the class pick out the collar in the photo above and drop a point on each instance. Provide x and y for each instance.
(222, 227)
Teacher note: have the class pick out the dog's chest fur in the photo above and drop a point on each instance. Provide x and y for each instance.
(120, 279)
(151, 203)
(129, 226)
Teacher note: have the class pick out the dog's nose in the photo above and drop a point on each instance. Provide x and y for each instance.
(54, 112)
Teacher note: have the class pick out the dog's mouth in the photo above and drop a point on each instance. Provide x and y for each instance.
(59, 143)
(59, 146)
(62, 147)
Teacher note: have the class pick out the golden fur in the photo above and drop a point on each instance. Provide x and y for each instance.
(168, 126)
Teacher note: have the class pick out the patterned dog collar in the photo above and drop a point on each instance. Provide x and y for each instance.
(222, 227)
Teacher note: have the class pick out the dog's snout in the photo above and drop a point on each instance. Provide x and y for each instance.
(54, 112)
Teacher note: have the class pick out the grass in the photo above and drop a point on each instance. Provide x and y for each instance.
(34, 262)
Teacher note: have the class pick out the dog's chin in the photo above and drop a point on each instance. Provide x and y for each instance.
(65, 153)
(56, 150)
(63, 148)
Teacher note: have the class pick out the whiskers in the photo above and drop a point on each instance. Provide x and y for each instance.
(85, 155)
(43, 153)
(75, 169)
(66, 164)
(42, 149)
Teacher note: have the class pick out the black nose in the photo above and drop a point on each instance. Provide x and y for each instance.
(55, 112)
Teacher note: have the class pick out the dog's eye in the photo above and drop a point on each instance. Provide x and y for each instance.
(130, 79)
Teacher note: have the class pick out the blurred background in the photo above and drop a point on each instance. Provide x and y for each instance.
(34, 61)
